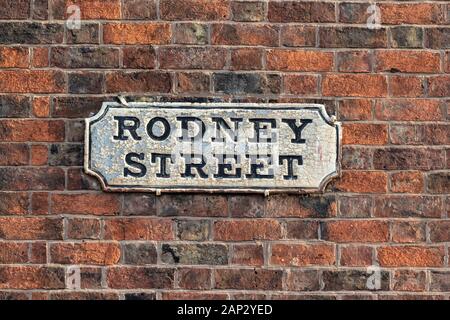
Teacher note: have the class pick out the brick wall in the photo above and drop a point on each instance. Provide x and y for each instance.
(389, 86)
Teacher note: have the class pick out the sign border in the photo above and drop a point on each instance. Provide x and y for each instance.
(223, 105)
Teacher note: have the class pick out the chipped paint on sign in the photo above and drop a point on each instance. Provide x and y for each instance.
(213, 147)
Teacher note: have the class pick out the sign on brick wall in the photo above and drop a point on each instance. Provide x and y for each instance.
(212, 147)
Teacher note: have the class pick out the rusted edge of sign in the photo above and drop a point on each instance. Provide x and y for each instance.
(266, 191)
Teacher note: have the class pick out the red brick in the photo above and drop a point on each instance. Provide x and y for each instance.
(298, 36)
(133, 33)
(195, 9)
(409, 110)
(34, 178)
(242, 230)
(407, 182)
(407, 61)
(245, 34)
(14, 154)
(14, 252)
(40, 57)
(353, 85)
(39, 155)
(439, 182)
(192, 58)
(439, 231)
(140, 278)
(96, 253)
(139, 58)
(85, 203)
(175, 295)
(404, 206)
(299, 60)
(439, 86)
(246, 59)
(300, 84)
(300, 255)
(356, 256)
(14, 57)
(355, 109)
(408, 232)
(31, 228)
(414, 13)
(32, 81)
(194, 279)
(83, 229)
(362, 182)
(301, 207)
(397, 158)
(433, 134)
(409, 280)
(40, 203)
(138, 81)
(248, 254)
(300, 229)
(366, 134)
(32, 277)
(41, 107)
(16, 203)
(248, 279)
(354, 61)
(90, 9)
(294, 11)
(410, 256)
(32, 130)
(402, 86)
(355, 231)
(138, 229)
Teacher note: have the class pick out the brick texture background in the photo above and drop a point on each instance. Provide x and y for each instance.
(389, 86)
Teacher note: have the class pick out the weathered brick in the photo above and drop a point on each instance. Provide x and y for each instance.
(408, 232)
(248, 11)
(349, 280)
(194, 279)
(91, 278)
(410, 256)
(407, 61)
(414, 13)
(14, 57)
(409, 110)
(86, 82)
(76, 107)
(248, 254)
(96, 253)
(41, 107)
(352, 37)
(85, 203)
(437, 38)
(397, 158)
(404, 206)
(250, 206)
(402, 134)
(31, 229)
(139, 253)
(406, 37)
(294, 11)
(248, 279)
(66, 155)
(302, 254)
(246, 59)
(193, 82)
(440, 281)
(356, 256)
(139, 278)
(244, 34)
(140, 296)
(31, 33)
(302, 230)
(355, 231)
(14, 252)
(32, 81)
(406, 86)
(300, 84)
(355, 109)
(172, 295)
(31, 277)
(79, 228)
(192, 58)
(353, 12)
(439, 182)
(195, 9)
(138, 81)
(14, 9)
(133, 33)
(210, 254)
(40, 203)
(439, 86)
(191, 33)
(242, 230)
(89, 9)
(300, 206)
(361, 181)
(14, 154)
(78, 180)
(406, 182)
(87, 34)
(14, 106)
(84, 57)
(354, 61)
(75, 131)
(137, 204)
(139, 9)
(355, 206)
(303, 280)
(299, 60)
(39, 155)
(354, 85)
(433, 134)
(298, 36)
(138, 229)
(16, 203)
(366, 134)
(193, 230)
(241, 83)
(40, 58)
(36, 178)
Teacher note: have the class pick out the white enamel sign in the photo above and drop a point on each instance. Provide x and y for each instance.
(222, 147)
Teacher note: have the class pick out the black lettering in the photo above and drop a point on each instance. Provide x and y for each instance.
(162, 164)
(256, 167)
(290, 166)
(131, 128)
(166, 132)
(222, 167)
(263, 128)
(297, 130)
(185, 127)
(221, 124)
(129, 161)
(198, 166)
